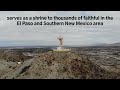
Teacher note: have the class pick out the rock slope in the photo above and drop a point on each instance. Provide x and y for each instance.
(65, 65)
(13, 56)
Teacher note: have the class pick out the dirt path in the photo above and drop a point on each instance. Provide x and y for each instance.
(14, 73)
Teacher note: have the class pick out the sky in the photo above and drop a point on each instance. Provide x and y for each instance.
(13, 35)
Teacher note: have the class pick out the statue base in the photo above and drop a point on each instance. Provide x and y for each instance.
(61, 49)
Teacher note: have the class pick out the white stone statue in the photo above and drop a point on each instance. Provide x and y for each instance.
(60, 48)
(60, 41)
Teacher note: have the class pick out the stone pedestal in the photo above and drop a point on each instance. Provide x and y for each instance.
(59, 48)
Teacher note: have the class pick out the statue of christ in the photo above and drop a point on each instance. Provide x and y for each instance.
(60, 41)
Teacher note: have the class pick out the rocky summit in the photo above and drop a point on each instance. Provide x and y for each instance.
(64, 65)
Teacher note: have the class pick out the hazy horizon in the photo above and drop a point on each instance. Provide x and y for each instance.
(95, 44)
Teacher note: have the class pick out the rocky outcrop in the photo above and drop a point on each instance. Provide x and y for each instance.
(65, 65)
(14, 56)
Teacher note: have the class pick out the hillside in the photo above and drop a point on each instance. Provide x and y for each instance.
(14, 56)
(64, 65)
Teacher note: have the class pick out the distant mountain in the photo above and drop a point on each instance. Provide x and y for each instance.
(115, 44)
(99, 44)
(105, 44)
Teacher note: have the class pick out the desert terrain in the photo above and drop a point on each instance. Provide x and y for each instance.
(98, 62)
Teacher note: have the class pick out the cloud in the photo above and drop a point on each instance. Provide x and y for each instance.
(11, 34)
